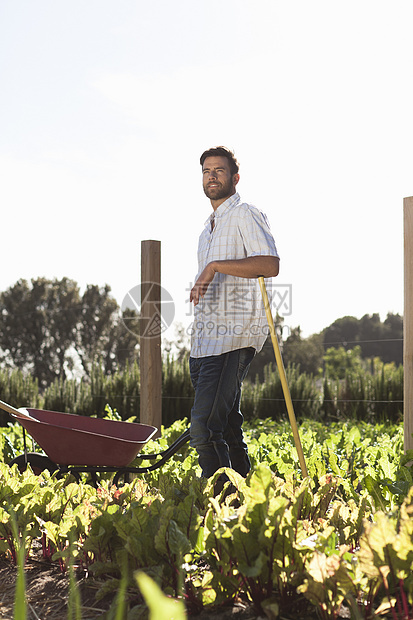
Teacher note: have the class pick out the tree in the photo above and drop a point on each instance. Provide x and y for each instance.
(307, 353)
(393, 344)
(123, 344)
(371, 334)
(337, 361)
(101, 333)
(38, 326)
(180, 347)
(343, 332)
(375, 338)
(47, 327)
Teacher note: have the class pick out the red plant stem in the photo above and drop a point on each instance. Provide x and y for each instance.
(393, 611)
(62, 566)
(404, 599)
(12, 547)
(188, 529)
(245, 582)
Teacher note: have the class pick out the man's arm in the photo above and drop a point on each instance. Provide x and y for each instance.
(250, 267)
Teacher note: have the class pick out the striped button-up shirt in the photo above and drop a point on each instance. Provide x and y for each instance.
(231, 315)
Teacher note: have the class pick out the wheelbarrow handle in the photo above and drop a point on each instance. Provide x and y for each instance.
(19, 413)
(174, 447)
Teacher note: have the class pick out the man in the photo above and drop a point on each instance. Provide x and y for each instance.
(235, 248)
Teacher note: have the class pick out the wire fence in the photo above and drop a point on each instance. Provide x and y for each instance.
(359, 394)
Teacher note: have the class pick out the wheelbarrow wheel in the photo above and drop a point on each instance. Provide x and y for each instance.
(38, 463)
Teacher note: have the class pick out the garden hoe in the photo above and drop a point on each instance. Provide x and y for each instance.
(283, 377)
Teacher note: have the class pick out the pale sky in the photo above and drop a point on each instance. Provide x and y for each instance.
(106, 107)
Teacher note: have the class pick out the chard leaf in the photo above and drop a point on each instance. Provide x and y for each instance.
(354, 435)
(161, 537)
(160, 606)
(259, 485)
(373, 487)
(255, 568)
(321, 567)
(178, 542)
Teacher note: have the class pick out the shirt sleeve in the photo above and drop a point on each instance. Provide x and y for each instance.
(256, 234)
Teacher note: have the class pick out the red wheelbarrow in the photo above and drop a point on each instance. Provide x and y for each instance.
(78, 444)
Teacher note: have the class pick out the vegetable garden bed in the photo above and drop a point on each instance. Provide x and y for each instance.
(339, 544)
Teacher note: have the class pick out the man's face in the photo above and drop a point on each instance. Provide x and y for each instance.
(217, 180)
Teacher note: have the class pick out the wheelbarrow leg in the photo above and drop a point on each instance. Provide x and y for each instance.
(117, 478)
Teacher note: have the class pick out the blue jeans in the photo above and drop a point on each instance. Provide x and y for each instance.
(216, 419)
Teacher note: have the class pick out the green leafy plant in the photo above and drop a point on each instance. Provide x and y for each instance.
(291, 547)
(20, 603)
(160, 606)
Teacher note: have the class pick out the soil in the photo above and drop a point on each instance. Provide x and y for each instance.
(47, 595)
(47, 590)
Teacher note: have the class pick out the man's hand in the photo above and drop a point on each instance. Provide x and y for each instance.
(201, 285)
(250, 267)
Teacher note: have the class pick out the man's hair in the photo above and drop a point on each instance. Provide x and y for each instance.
(221, 151)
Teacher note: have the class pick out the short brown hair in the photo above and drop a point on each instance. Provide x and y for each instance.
(221, 151)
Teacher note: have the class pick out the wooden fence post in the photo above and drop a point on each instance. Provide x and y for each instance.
(150, 336)
(408, 323)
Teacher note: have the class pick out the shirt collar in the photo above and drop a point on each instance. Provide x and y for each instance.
(230, 202)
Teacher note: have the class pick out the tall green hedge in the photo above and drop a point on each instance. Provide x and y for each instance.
(361, 395)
